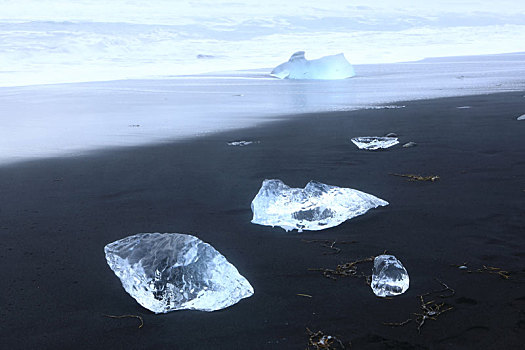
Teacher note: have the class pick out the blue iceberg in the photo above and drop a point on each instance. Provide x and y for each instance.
(328, 67)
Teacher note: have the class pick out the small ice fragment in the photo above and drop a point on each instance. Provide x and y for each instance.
(316, 207)
(521, 117)
(389, 277)
(374, 142)
(391, 134)
(240, 143)
(385, 107)
(409, 144)
(462, 267)
(463, 107)
(172, 271)
(328, 67)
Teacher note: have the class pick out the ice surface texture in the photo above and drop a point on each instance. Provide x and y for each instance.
(316, 207)
(389, 277)
(372, 143)
(173, 271)
(328, 67)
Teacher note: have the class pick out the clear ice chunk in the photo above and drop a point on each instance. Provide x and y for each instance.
(389, 277)
(372, 143)
(328, 67)
(172, 271)
(316, 207)
(240, 143)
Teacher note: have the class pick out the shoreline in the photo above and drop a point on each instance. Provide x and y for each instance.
(73, 119)
(59, 213)
(257, 72)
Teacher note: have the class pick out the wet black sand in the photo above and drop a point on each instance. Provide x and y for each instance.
(56, 215)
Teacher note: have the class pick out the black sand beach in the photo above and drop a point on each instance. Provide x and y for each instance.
(56, 216)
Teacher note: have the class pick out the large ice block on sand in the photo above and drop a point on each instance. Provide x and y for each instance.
(328, 67)
(316, 207)
(389, 276)
(173, 271)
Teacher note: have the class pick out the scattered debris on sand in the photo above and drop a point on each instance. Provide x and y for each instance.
(429, 310)
(304, 295)
(414, 177)
(318, 340)
(485, 269)
(329, 244)
(345, 270)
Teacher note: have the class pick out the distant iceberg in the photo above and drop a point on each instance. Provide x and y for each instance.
(328, 67)
(316, 207)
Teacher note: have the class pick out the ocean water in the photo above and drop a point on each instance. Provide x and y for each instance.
(58, 41)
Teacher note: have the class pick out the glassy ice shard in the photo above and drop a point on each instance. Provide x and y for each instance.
(316, 207)
(173, 271)
(372, 143)
(389, 277)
